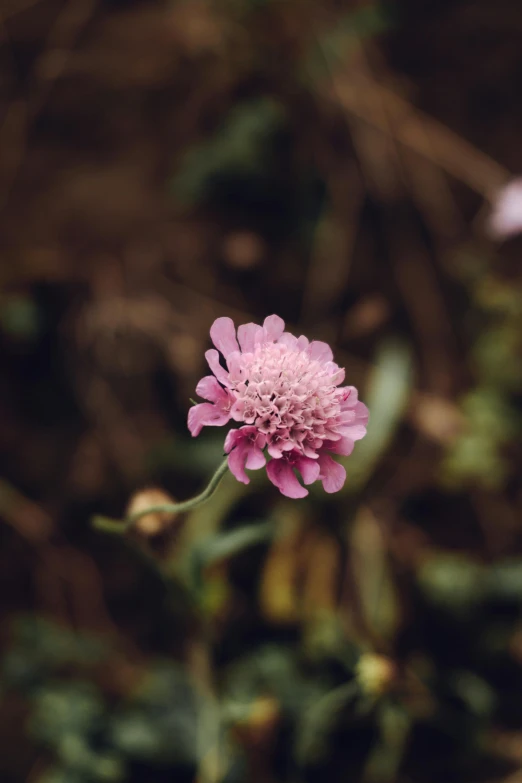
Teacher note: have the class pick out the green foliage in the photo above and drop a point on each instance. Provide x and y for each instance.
(91, 739)
(40, 648)
(495, 354)
(65, 709)
(318, 721)
(477, 454)
(159, 723)
(67, 716)
(480, 454)
(242, 146)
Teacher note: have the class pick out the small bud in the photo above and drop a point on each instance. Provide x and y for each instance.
(375, 673)
(157, 521)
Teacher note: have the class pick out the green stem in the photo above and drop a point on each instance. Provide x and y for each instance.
(118, 526)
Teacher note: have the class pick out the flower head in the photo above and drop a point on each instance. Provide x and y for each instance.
(285, 392)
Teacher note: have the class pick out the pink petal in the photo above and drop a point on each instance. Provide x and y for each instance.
(206, 415)
(337, 373)
(352, 431)
(308, 468)
(274, 451)
(236, 462)
(320, 351)
(233, 437)
(249, 335)
(309, 452)
(278, 445)
(356, 429)
(223, 334)
(351, 395)
(281, 474)
(347, 416)
(274, 327)
(235, 370)
(237, 410)
(209, 389)
(245, 446)
(344, 446)
(255, 459)
(221, 374)
(332, 474)
(288, 339)
(362, 413)
(303, 342)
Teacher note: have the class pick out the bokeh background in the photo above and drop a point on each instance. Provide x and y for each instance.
(166, 163)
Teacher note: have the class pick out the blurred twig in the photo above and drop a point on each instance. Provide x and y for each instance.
(365, 98)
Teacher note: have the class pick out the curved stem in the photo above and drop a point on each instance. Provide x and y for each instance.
(117, 526)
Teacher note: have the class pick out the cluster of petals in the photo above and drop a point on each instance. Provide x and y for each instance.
(285, 393)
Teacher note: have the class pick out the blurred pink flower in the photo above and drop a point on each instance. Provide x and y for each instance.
(505, 219)
(285, 392)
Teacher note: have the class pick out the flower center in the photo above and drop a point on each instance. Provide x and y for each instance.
(288, 396)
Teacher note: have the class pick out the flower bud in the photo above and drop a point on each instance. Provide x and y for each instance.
(156, 521)
(375, 673)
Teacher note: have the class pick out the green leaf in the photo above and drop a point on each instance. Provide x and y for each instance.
(318, 721)
(504, 580)
(385, 759)
(453, 581)
(375, 583)
(387, 397)
(225, 545)
(475, 692)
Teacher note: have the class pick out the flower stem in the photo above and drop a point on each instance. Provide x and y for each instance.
(121, 526)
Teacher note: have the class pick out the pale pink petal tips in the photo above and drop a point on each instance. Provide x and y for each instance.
(223, 334)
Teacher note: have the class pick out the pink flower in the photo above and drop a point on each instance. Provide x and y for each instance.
(505, 219)
(285, 392)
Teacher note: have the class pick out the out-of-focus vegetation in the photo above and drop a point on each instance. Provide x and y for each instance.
(166, 163)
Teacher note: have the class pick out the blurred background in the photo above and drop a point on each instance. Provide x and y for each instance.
(166, 163)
